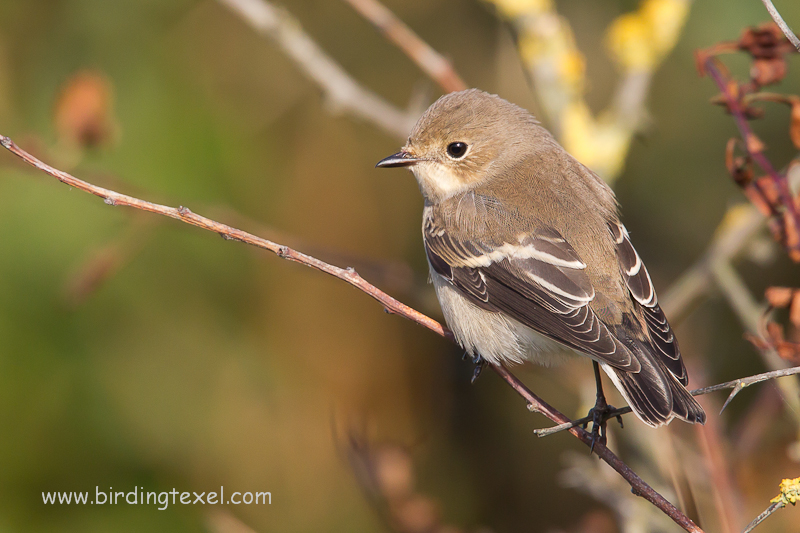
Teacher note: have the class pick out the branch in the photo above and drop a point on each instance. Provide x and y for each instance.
(737, 385)
(429, 60)
(763, 516)
(787, 31)
(391, 305)
(637, 42)
(749, 313)
(790, 494)
(754, 149)
(740, 384)
(341, 90)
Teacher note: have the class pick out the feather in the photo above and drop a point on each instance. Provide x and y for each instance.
(641, 288)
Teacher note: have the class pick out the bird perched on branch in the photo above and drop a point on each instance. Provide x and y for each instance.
(530, 260)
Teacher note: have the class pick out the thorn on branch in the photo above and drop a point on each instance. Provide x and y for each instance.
(737, 385)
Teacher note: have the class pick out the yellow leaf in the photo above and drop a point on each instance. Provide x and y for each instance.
(516, 8)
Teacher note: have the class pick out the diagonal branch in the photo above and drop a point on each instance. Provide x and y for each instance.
(790, 493)
(429, 60)
(763, 516)
(342, 91)
(754, 147)
(637, 41)
(776, 16)
(638, 485)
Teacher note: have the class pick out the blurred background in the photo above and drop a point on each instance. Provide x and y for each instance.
(137, 351)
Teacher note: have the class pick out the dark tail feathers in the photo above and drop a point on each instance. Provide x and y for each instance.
(655, 395)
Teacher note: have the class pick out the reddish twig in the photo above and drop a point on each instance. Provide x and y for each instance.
(429, 60)
(391, 305)
(755, 149)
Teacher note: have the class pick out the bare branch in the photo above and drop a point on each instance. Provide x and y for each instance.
(763, 516)
(740, 384)
(342, 91)
(787, 31)
(638, 485)
(749, 313)
(754, 148)
(637, 42)
(790, 493)
(737, 385)
(429, 60)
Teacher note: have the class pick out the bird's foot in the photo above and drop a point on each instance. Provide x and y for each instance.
(600, 414)
(479, 363)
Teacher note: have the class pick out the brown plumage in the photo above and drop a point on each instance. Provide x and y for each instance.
(528, 256)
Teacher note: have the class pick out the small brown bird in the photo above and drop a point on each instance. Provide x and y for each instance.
(528, 256)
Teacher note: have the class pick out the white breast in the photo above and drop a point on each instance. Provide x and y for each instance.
(494, 336)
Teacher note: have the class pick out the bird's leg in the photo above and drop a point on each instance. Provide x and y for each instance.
(599, 413)
(479, 363)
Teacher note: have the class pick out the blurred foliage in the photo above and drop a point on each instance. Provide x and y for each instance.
(198, 363)
(637, 42)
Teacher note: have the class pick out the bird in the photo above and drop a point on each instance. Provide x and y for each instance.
(530, 261)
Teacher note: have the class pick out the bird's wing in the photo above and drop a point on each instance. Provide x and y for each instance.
(643, 292)
(539, 280)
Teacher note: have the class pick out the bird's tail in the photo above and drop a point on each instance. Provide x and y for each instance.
(654, 394)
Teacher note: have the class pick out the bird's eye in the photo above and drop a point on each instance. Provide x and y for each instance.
(457, 150)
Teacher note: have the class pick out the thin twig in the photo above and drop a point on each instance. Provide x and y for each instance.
(549, 52)
(790, 493)
(763, 516)
(752, 145)
(737, 385)
(429, 60)
(787, 31)
(749, 313)
(740, 384)
(342, 91)
(638, 486)
(391, 305)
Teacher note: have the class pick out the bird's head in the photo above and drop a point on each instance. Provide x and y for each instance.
(463, 139)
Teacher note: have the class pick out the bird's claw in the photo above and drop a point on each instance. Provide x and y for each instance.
(600, 415)
(479, 363)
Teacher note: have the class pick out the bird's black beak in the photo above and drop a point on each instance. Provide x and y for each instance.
(400, 159)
